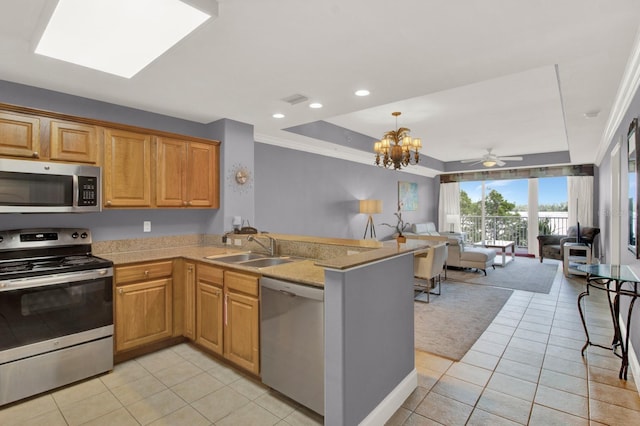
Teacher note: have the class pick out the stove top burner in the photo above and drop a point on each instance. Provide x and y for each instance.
(15, 266)
(48, 265)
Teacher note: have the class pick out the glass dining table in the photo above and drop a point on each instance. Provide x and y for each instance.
(619, 281)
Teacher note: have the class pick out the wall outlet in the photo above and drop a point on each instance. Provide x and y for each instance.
(146, 226)
(237, 242)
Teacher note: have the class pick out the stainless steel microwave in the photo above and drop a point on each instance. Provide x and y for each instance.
(43, 187)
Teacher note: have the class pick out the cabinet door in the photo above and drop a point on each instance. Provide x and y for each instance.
(73, 142)
(241, 331)
(171, 172)
(190, 300)
(143, 313)
(127, 171)
(202, 175)
(19, 135)
(209, 316)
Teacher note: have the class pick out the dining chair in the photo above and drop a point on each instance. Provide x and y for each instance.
(427, 267)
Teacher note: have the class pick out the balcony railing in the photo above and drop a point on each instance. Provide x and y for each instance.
(511, 228)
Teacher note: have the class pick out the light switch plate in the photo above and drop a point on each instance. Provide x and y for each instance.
(146, 226)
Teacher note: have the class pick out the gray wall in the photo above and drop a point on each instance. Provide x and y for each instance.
(291, 191)
(301, 193)
(113, 224)
(606, 209)
(369, 327)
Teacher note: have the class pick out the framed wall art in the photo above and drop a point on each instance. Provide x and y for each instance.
(633, 145)
(408, 196)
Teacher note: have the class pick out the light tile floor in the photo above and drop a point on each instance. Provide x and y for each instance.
(525, 369)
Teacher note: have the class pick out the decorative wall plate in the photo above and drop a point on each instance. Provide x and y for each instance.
(239, 177)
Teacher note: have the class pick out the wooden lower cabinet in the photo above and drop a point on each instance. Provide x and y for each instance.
(143, 304)
(209, 308)
(226, 314)
(189, 295)
(242, 320)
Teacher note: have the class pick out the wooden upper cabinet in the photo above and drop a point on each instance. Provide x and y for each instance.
(127, 169)
(186, 174)
(73, 142)
(171, 173)
(202, 175)
(19, 135)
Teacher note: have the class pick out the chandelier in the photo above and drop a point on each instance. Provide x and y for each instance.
(396, 146)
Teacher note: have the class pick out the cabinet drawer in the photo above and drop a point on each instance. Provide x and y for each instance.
(145, 271)
(242, 283)
(210, 274)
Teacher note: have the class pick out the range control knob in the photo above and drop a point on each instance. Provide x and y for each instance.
(74, 235)
(84, 235)
(1, 238)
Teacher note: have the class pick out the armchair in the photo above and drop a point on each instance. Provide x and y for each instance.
(550, 246)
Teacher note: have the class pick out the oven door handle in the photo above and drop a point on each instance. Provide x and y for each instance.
(71, 277)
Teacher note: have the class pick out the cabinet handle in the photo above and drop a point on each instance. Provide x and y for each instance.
(184, 203)
(108, 202)
(189, 203)
(190, 268)
(146, 273)
(35, 154)
(120, 291)
(226, 298)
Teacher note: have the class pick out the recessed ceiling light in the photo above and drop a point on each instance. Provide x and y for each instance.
(362, 92)
(119, 37)
(278, 115)
(315, 105)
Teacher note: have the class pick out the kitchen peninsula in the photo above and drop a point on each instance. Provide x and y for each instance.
(368, 305)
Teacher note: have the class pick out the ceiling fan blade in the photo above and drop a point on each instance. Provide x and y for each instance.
(499, 162)
(511, 158)
(472, 160)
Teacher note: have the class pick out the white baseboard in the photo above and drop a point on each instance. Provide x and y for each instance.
(383, 412)
(633, 360)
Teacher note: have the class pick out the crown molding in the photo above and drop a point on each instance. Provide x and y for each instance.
(626, 92)
(327, 149)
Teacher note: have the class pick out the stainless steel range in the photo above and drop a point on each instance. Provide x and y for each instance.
(56, 311)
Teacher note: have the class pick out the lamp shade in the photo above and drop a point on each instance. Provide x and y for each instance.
(371, 206)
(453, 218)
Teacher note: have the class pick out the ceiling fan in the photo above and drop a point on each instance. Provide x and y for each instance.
(489, 159)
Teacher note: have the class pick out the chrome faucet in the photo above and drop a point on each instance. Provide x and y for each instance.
(272, 249)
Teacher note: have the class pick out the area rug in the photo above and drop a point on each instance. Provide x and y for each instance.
(452, 322)
(522, 274)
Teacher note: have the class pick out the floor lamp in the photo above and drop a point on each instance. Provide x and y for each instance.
(370, 207)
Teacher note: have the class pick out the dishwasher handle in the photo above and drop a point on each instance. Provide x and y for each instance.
(292, 289)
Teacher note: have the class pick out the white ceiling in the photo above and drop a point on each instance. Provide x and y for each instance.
(513, 75)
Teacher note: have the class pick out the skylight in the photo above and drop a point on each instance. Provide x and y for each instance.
(119, 37)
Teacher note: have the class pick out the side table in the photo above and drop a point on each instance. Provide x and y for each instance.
(619, 281)
(575, 254)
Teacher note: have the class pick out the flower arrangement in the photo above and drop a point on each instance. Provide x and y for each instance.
(401, 225)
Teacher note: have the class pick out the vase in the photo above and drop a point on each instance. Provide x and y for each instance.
(401, 239)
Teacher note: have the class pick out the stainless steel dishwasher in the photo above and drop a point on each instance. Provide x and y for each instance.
(292, 341)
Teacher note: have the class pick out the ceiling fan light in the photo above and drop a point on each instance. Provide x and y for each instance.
(489, 163)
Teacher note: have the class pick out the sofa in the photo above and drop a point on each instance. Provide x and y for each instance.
(460, 255)
(551, 246)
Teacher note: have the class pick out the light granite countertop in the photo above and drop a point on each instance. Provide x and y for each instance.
(304, 271)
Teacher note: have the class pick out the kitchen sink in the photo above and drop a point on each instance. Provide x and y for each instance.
(237, 258)
(269, 261)
(255, 260)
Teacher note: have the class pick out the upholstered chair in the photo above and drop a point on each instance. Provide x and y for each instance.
(427, 267)
(550, 246)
